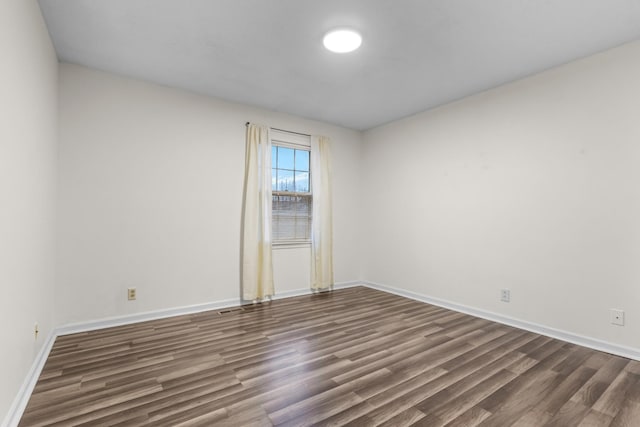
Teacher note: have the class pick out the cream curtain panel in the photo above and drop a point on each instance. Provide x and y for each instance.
(322, 225)
(257, 267)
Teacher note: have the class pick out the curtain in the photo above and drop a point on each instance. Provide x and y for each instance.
(322, 226)
(257, 267)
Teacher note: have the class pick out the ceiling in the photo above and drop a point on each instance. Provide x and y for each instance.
(415, 55)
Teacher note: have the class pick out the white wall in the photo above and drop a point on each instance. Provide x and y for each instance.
(151, 185)
(533, 186)
(28, 133)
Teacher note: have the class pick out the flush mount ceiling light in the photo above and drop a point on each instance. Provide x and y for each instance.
(342, 41)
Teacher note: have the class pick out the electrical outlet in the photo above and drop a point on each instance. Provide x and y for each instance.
(617, 317)
(131, 294)
(505, 295)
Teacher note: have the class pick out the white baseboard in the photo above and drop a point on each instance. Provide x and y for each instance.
(22, 398)
(307, 291)
(351, 284)
(596, 344)
(127, 319)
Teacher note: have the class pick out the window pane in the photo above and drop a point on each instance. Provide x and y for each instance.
(274, 174)
(285, 180)
(285, 158)
(291, 217)
(302, 182)
(302, 160)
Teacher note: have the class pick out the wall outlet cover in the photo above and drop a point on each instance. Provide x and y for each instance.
(617, 317)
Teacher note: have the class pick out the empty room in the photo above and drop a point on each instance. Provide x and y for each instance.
(296, 213)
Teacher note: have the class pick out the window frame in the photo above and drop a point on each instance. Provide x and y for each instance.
(296, 141)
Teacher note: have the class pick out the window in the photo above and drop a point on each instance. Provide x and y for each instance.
(291, 188)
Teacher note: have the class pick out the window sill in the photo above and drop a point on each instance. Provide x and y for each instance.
(291, 244)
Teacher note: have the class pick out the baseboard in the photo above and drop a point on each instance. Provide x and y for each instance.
(351, 284)
(607, 347)
(22, 398)
(307, 291)
(128, 319)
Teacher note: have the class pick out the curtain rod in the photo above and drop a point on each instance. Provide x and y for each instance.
(282, 130)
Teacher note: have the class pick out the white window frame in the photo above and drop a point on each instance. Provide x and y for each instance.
(297, 141)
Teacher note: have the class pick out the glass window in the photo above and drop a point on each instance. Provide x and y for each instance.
(292, 199)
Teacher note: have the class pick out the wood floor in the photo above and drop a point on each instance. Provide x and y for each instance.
(356, 357)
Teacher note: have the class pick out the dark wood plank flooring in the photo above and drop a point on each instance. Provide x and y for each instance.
(357, 357)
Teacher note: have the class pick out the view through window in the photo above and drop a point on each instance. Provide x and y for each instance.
(292, 198)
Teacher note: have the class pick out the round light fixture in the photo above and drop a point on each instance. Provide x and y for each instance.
(342, 41)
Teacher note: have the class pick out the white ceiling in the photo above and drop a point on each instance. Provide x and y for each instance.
(415, 55)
